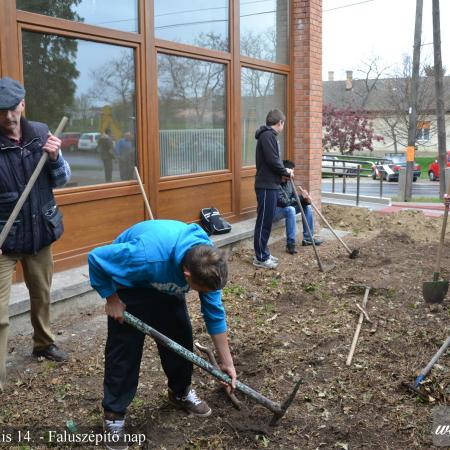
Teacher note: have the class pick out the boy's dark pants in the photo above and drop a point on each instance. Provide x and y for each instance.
(166, 313)
(267, 204)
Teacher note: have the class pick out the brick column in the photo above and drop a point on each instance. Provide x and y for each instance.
(306, 93)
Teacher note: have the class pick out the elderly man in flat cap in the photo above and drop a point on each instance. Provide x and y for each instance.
(39, 223)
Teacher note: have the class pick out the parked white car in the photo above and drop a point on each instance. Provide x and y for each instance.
(88, 141)
(340, 167)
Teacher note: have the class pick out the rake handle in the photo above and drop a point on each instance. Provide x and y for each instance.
(437, 355)
(23, 197)
(305, 223)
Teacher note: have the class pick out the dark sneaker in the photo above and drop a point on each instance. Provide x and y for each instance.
(115, 434)
(290, 248)
(306, 242)
(52, 352)
(191, 403)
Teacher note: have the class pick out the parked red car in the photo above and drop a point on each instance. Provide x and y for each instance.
(69, 141)
(433, 168)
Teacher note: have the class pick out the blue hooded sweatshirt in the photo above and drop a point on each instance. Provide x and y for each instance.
(149, 254)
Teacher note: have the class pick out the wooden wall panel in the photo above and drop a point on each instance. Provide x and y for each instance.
(183, 203)
(248, 196)
(94, 223)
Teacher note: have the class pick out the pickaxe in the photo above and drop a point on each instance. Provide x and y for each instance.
(279, 410)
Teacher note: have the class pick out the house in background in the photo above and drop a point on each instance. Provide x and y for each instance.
(386, 100)
(191, 81)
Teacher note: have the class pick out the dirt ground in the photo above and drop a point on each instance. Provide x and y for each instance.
(295, 322)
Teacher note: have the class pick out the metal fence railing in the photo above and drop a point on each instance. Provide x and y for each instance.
(192, 151)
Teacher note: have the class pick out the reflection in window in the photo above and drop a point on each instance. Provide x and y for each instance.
(116, 14)
(192, 115)
(203, 23)
(265, 30)
(260, 92)
(98, 95)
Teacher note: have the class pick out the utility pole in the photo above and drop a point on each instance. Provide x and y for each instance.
(439, 88)
(412, 127)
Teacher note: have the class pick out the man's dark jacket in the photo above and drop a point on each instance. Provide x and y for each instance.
(269, 167)
(39, 222)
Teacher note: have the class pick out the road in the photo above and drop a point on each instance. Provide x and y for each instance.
(421, 188)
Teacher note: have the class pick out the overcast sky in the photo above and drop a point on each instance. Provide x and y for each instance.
(382, 28)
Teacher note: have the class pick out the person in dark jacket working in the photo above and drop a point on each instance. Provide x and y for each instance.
(39, 222)
(288, 208)
(147, 270)
(269, 173)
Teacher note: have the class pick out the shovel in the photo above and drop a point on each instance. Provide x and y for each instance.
(435, 291)
(29, 186)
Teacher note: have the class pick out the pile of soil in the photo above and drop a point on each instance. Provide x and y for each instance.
(295, 322)
(411, 222)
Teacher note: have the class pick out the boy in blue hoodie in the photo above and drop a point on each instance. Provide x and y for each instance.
(147, 270)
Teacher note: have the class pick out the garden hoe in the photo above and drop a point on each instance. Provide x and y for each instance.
(311, 237)
(424, 372)
(279, 410)
(351, 253)
(29, 186)
(436, 290)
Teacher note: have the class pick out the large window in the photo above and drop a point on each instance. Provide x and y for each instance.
(261, 92)
(203, 23)
(93, 84)
(192, 115)
(265, 30)
(117, 14)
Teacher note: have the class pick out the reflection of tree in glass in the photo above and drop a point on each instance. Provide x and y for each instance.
(114, 84)
(259, 45)
(53, 8)
(212, 41)
(190, 85)
(49, 67)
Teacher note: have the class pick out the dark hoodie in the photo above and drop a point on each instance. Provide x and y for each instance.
(269, 167)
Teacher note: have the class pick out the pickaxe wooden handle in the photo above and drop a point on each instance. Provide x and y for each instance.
(6, 229)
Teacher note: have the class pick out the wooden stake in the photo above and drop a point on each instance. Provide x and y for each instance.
(358, 328)
(147, 204)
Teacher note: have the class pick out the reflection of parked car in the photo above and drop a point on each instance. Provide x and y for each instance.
(433, 168)
(88, 141)
(389, 168)
(332, 164)
(69, 141)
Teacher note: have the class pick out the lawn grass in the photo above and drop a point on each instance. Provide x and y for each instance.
(424, 162)
(420, 199)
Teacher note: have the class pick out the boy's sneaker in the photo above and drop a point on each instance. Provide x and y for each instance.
(306, 242)
(114, 434)
(290, 248)
(191, 403)
(267, 264)
(273, 258)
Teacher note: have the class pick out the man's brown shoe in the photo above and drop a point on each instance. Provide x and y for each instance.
(190, 402)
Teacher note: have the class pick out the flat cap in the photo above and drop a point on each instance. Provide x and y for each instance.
(11, 93)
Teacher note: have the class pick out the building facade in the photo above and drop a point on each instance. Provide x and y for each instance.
(180, 87)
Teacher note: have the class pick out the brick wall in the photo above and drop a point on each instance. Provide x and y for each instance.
(306, 95)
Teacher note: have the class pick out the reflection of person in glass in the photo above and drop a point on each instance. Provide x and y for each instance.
(39, 223)
(125, 154)
(106, 150)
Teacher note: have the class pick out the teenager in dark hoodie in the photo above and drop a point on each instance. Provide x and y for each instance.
(269, 173)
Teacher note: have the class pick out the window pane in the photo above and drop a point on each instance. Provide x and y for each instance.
(203, 23)
(117, 14)
(261, 92)
(94, 85)
(265, 30)
(192, 115)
